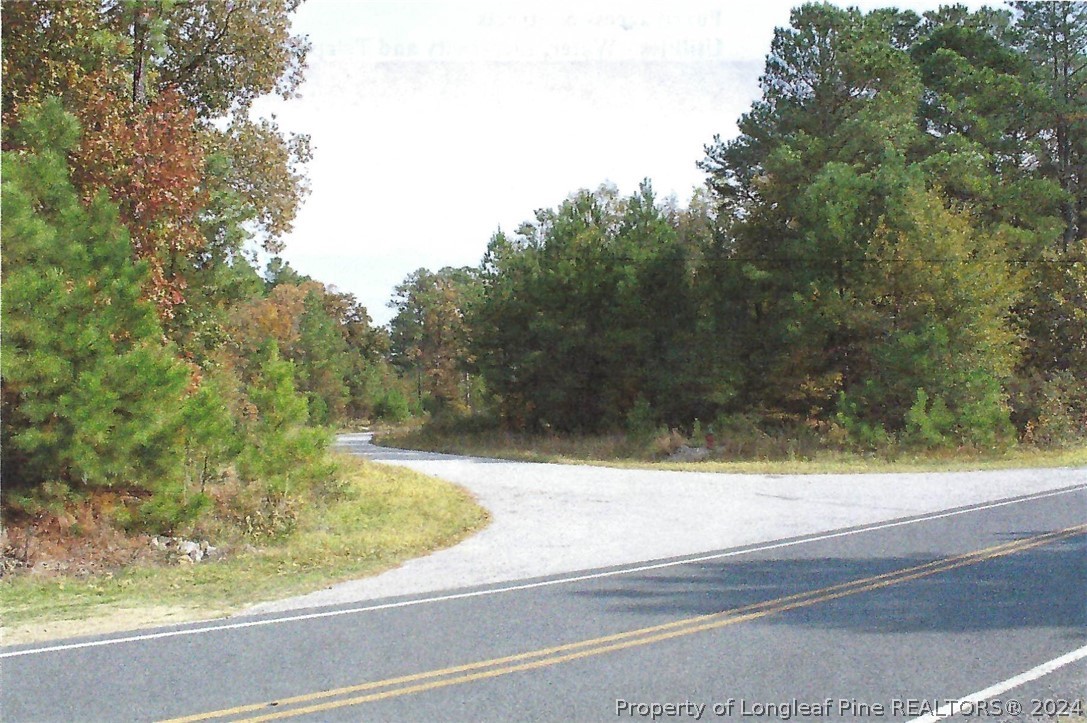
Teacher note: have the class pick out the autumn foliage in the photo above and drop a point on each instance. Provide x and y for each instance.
(151, 161)
(144, 355)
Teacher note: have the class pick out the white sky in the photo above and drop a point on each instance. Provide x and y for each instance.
(434, 123)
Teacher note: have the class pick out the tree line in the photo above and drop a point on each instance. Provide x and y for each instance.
(893, 250)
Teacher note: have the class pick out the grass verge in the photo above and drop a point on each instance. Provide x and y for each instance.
(624, 452)
(388, 515)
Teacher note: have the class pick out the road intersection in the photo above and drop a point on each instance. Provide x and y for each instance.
(910, 614)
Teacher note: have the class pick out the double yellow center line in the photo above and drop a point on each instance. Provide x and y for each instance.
(545, 657)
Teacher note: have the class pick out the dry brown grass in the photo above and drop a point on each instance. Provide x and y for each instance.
(753, 451)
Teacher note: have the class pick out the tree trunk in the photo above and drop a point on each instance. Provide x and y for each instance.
(140, 24)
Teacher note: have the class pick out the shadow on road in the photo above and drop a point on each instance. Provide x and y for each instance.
(1042, 587)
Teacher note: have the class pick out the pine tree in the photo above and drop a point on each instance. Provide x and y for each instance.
(858, 283)
(588, 313)
(91, 394)
(281, 453)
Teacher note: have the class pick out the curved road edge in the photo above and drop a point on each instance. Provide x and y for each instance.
(550, 519)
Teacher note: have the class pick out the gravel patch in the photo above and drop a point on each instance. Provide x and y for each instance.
(550, 519)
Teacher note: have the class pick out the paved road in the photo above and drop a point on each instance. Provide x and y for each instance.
(904, 614)
(551, 519)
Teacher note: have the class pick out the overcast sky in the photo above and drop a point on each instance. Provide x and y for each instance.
(434, 123)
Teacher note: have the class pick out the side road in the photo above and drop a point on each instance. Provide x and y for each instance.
(551, 519)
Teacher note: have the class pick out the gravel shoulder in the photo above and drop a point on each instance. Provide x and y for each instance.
(550, 519)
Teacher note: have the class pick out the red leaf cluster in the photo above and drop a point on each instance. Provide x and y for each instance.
(150, 159)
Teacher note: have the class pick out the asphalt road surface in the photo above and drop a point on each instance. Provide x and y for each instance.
(551, 519)
(903, 619)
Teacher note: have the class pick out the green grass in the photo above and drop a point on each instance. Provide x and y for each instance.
(777, 457)
(388, 515)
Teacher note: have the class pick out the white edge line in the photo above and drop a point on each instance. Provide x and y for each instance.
(949, 709)
(531, 585)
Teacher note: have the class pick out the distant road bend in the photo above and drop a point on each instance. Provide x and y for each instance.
(922, 616)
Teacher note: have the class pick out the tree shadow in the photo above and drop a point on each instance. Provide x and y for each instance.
(1044, 587)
